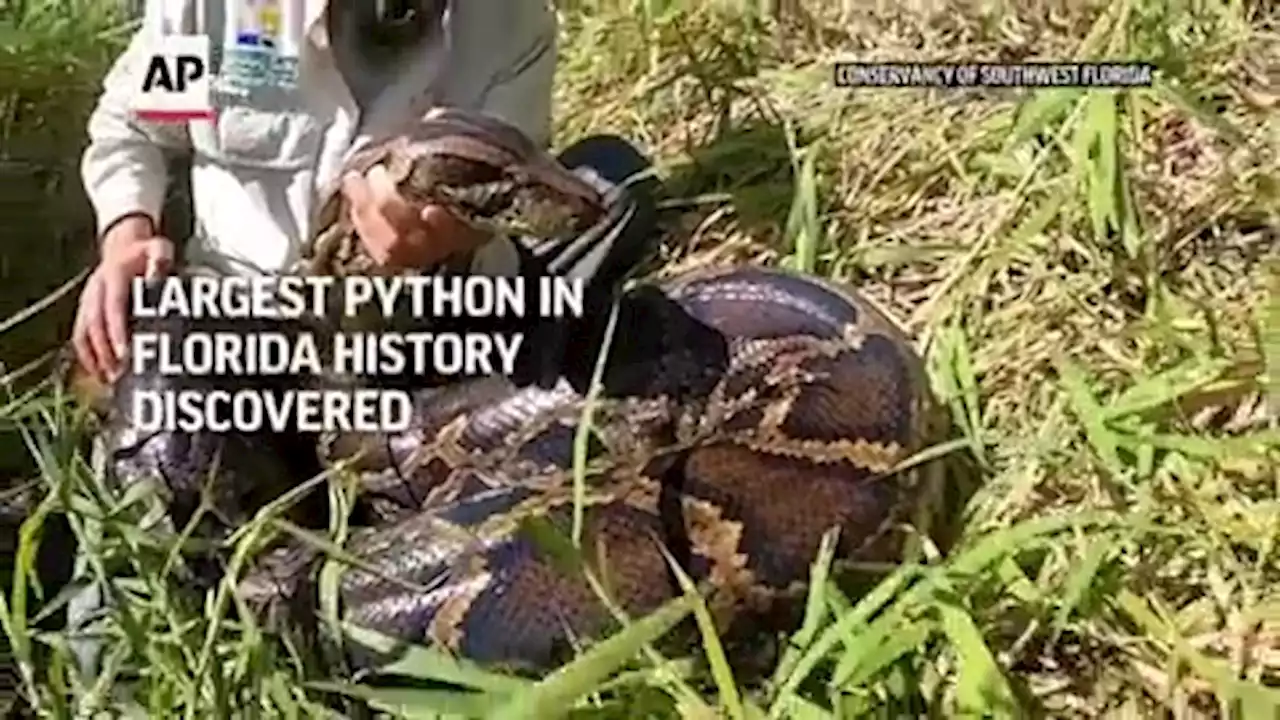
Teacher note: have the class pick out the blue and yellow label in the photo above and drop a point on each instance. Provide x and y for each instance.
(259, 49)
(259, 24)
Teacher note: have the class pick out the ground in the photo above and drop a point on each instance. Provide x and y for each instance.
(1086, 274)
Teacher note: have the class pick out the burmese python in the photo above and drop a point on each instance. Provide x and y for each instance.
(769, 408)
(488, 173)
(744, 413)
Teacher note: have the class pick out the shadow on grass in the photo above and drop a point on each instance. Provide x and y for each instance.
(749, 165)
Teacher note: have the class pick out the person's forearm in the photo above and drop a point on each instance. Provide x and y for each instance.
(124, 168)
(127, 229)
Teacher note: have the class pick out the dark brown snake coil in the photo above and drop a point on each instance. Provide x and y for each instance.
(773, 409)
(744, 413)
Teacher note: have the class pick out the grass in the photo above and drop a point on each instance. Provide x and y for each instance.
(1087, 274)
(52, 56)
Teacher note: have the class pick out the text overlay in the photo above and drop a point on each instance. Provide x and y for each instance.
(277, 349)
(965, 75)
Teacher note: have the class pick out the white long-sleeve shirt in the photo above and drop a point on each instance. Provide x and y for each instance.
(285, 126)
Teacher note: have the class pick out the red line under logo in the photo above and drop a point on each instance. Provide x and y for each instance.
(175, 115)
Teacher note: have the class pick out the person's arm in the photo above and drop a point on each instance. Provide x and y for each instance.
(124, 168)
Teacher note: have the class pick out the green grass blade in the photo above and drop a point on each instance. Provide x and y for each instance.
(553, 697)
(981, 687)
(425, 663)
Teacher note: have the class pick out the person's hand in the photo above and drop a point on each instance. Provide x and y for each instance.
(100, 334)
(395, 233)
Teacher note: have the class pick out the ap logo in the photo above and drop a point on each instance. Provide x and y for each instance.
(175, 85)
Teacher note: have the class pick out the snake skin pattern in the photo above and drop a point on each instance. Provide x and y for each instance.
(744, 413)
(772, 409)
(488, 173)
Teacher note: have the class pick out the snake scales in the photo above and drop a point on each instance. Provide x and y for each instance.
(744, 412)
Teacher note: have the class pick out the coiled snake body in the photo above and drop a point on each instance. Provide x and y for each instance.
(744, 413)
(773, 409)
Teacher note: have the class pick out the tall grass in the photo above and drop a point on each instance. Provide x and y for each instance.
(53, 54)
(1086, 272)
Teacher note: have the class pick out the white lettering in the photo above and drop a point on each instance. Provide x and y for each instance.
(356, 291)
(148, 411)
(421, 353)
(249, 411)
(438, 296)
(508, 347)
(201, 296)
(559, 296)
(225, 353)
